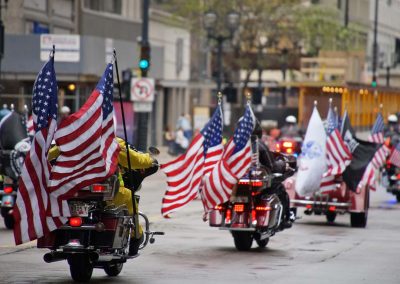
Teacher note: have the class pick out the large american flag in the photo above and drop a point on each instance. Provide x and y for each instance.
(88, 149)
(32, 197)
(376, 135)
(235, 162)
(185, 173)
(337, 153)
(395, 156)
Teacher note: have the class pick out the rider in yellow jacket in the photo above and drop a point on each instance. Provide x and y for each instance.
(138, 160)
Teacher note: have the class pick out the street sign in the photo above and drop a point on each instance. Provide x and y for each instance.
(67, 47)
(142, 89)
(142, 106)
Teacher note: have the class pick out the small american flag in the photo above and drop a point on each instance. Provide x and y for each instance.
(32, 197)
(88, 149)
(337, 153)
(395, 156)
(377, 130)
(29, 126)
(185, 173)
(234, 164)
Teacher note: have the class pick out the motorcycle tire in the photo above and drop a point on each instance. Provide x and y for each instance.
(113, 269)
(330, 217)
(262, 243)
(9, 221)
(243, 240)
(80, 267)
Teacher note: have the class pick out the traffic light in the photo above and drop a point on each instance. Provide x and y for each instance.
(144, 61)
(374, 84)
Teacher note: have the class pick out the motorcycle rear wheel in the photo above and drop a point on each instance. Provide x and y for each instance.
(113, 269)
(9, 221)
(243, 240)
(80, 267)
(262, 243)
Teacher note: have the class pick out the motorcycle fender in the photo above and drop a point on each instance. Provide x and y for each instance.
(269, 218)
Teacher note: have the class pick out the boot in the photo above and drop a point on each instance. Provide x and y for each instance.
(134, 245)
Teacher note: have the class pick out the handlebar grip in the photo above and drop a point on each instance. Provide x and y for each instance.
(159, 233)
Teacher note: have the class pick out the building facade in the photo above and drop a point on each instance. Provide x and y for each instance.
(87, 32)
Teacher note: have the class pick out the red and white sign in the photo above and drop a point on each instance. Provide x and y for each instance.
(142, 89)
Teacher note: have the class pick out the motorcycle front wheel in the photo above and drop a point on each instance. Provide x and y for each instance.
(113, 269)
(9, 221)
(243, 240)
(80, 267)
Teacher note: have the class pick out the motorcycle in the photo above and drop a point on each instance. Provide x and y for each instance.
(14, 145)
(289, 145)
(255, 212)
(393, 184)
(98, 233)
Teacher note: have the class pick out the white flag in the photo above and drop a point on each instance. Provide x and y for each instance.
(312, 160)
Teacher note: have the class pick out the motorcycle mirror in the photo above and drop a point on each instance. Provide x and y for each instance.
(154, 151)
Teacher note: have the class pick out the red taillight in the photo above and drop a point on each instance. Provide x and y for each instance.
(263, 208)
(254, 183)
(398, 176)
(253, 215)
(99, 188)
(7, 202)
(228, 216)
(75, 221)
(332, 208)
(308, 206)
(289, 151)
(8, 189)
(238, 208)
(287, 144)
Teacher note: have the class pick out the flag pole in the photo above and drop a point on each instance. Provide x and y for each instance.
(134, 201)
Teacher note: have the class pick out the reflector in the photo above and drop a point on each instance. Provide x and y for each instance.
(99, 188)
(238, 207)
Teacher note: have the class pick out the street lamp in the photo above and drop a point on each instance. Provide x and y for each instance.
(284, 65)
(232, 21)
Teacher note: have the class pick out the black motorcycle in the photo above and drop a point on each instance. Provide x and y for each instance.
(98, 233)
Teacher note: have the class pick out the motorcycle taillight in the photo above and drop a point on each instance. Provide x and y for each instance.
(239, 207)
(8, 189)
(99, 188)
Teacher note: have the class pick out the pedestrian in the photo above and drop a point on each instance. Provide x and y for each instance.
(182, 143)
(184, 122)
(169, 137)
(64, 112)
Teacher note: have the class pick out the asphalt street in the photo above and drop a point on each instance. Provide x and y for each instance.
(312, 251)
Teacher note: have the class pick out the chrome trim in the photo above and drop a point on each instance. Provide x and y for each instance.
(13, 193)
(83, 227)
(238, 229)
(329, 203)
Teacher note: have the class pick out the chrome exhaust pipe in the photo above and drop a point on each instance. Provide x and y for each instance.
(53, 257)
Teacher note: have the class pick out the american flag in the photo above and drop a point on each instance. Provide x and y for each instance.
(337, 153)
(373, 167)
(185, 173)
(395, 156)
(32, 197)
(380, 156)
(235, 162)
(377, 130)
(88, 149)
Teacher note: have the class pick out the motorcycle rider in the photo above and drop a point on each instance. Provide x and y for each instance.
(138, 160)
(290, 129)
(268, 159)
(392, 131)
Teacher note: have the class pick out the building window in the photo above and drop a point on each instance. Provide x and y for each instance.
(108, 6)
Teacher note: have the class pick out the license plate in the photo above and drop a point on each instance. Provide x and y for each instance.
(7, 201)
(79, 209)
(241, 199)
